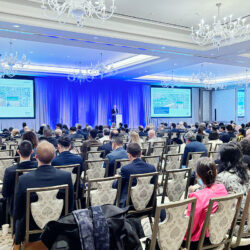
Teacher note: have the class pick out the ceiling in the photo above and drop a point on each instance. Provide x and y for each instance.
(156, 28)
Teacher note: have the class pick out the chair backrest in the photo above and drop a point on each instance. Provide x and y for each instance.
(217, 146)
(6, 153)
(158, 144)
(192, 159)
(157, 150)
(143, 195)
(205, 139)
(106, 141)
(174, 135)
(172, 161)
(93, 148)
(5, 163)
(19, 172)
(172, 230)
(245, 217)
(222, 222)
(94, 155)
(153, 160)
(176, 184)
(103, 193)
(173, 149)
(77, 142)
(47, 208)
(93, 169)
(208, 146)
(119, 163)
(76, 149)
(74, 176)
(214, 155)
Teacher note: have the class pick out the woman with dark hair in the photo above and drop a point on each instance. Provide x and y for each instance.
(213, 138)
(31, 136)
(232, 171)
(245, 148)
(241, 135)
(206, 175)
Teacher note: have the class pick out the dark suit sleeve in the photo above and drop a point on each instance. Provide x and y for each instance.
(20, 200)
(71, 193)
(7, 184)
(184, 160)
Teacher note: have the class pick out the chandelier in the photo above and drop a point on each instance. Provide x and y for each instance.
(168, 84)
(204, 77)
(221, 31)
(104, 69)
(79, 9)
(82, 74)
(10, 62)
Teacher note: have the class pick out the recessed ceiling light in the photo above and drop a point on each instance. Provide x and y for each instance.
(16, 26)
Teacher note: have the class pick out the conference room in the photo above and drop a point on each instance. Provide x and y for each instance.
(124, 124)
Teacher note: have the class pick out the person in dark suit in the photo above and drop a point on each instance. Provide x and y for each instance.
(141, 131)
(25, 150)
(66, 157)
(230, 131)
(47, 135)
(118, 153)
(192, 146)
(44, 176)
(74, 134)
(92, 142)
(22, 130)
(224, 136)
(108, 146)
(114, 112)
(137, 166)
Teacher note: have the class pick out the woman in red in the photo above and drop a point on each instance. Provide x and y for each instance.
(206, 175)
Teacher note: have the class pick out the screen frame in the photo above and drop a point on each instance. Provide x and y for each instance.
(161, 117)
(34, 96)
(237, 93)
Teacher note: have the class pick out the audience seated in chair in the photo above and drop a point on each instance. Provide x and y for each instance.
(108, 146)
(192, 146)
(47, 135)
(105, 136)
(44, 176)
(73, 133)
(25, 151)
(66, 157)
(245, 148)
(206, 174)
(32, 137)
(137, 166)
(118, 153)
(232, 171)
(92, 142)
(213, 138)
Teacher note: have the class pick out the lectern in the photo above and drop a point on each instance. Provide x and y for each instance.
(118, 119)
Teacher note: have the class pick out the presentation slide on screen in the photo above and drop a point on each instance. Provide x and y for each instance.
(16, 98)
(241, 103)
(167, 102)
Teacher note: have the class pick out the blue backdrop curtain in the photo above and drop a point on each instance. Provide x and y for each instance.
(59, 100)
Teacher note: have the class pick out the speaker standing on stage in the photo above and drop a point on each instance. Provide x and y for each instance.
(114, 112)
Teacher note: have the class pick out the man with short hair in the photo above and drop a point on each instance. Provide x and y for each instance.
(92, 142)
(224, 136)
(108, 146)
(230, 131)
(105, 137)
(74, 134)
(118, 153)
(141, 131)
(58, 133)
(25, 150)
(137, 166)
(47, 135)
(44, 176)
(192, 145)
(66, 157)
(22, 130)
(59, 126)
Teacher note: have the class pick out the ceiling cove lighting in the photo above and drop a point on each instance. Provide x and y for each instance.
(79, 9)
(65, 70)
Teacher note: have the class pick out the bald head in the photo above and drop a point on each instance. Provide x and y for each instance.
(45, 153)
(151, 134)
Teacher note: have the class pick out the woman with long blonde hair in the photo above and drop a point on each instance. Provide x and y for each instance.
(134, 138)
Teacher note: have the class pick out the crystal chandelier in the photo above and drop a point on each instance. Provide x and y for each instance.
(168, 84)
(204, 77)
(10, 62)
(221, 31)
(79, 9)
(104, 69)
(82, 74)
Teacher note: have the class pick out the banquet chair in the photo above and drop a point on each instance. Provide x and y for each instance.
(173, 149)
(142, 196)
(119, 163)
(242, 237)
(221, 223)
(176, 184)
(214, 155)
(192, 159)
(6, 153)
(170, 233)
(103, 193)
(6, 162)
(75, 179)
(153, 160)
(217, 146)
(47, 208)
(106, 141)
(93, 148)
(95, 155)
(208, 146)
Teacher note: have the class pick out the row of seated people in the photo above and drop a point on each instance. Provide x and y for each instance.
(46, 175)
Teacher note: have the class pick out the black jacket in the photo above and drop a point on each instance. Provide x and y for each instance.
(124, 235)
